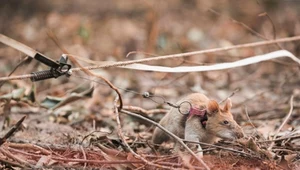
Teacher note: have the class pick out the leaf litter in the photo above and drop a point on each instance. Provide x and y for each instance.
(79, 130)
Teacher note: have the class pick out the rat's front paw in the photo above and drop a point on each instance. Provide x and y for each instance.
(199, 154)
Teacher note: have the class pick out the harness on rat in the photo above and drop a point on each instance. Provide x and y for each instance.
(193, 111)
(185, 108)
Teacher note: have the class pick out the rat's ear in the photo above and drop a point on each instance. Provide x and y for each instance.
(228, 105)
(212, 107)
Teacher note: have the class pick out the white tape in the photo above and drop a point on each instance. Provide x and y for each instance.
(239, 63)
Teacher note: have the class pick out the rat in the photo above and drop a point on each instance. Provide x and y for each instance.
(199, 119)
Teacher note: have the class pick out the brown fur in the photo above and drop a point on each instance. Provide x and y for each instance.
(191, 128)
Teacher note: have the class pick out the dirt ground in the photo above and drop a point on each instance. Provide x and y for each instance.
(71, 122)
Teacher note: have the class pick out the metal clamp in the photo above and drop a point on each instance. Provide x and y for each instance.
(57, 69)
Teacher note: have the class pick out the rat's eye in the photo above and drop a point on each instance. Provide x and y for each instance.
(225, 122)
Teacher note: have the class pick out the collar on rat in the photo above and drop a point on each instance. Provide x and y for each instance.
(200, 113)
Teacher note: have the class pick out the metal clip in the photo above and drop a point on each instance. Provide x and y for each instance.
(57, 69)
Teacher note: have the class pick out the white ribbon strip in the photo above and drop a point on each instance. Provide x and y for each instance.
(239, 63)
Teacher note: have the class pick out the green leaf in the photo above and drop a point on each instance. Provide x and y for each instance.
(50, 101)
(16, 94)
(55, 102)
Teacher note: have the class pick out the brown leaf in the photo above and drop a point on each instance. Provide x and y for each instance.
(290, 158)
(130, 157)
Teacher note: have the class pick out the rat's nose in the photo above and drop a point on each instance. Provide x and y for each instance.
(240, 134)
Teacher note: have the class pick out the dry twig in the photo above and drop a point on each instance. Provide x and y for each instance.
(14, 157)
(280, 139)
(220, 147)
(144, 111)
(96, 161)
(12, 130)
(14, 164)
(283, 123)
(125, 142)
(84, 156)
(232, 94)
(125, 63)
(29, 146)
(85, 70)
(239, 23)
(24, 60)
(250, 121)
(250, 29)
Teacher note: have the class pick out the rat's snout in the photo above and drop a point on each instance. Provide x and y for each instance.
(239, 132)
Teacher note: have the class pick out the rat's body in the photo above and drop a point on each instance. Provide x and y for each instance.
(219, 123)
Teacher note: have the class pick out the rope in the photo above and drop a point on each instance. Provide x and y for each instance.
(124, 63)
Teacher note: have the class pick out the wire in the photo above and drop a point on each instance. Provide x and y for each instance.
(125, 63)
(145, 95)
(102, 83)
(184, 107)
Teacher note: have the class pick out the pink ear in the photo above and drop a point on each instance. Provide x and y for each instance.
(212, 107)
(228, 105)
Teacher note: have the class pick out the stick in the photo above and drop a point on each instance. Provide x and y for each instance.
(115, 64)
(250, 121)
(84, 156)
(124, 63)
(7, 162)
(86, 71)
(24, 60)
(12, 130)
(284, 122)
(144, 111)
(220, 147)
(279, 139)
(29, 146)
(125, 142)
(14, 157)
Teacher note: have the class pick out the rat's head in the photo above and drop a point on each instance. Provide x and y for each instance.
(220, 121)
